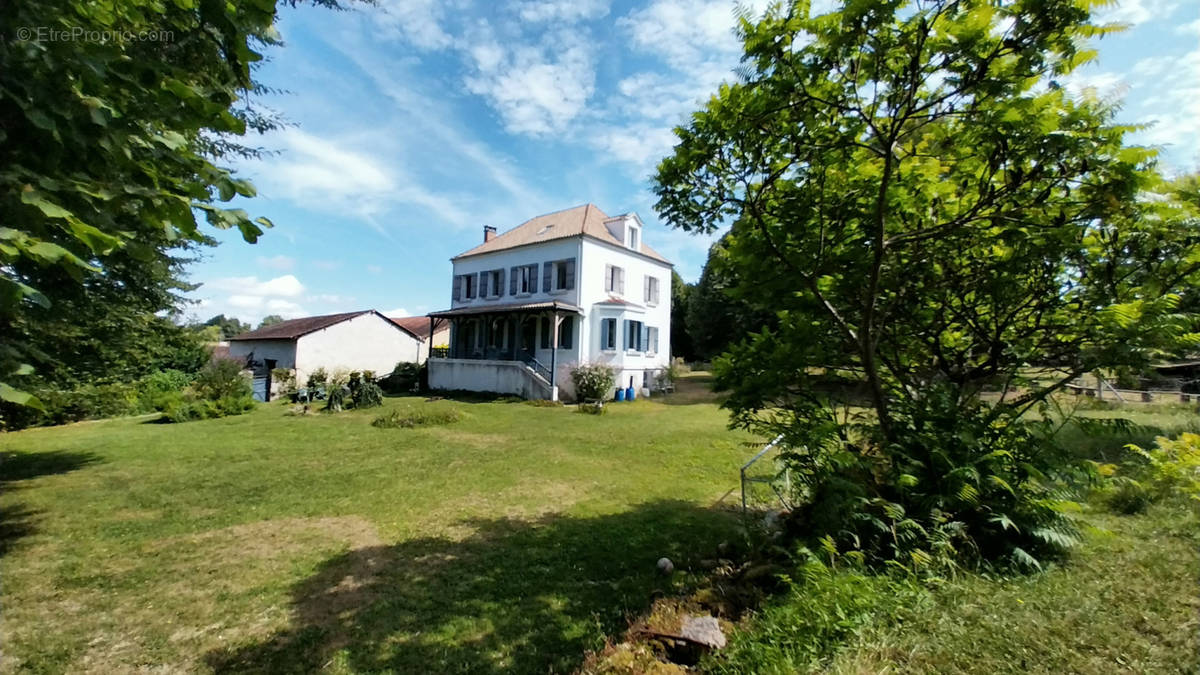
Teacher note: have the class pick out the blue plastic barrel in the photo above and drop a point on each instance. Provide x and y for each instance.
(630, 394)
(620, 394)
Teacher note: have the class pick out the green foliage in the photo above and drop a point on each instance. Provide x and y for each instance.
(336, 392)
(593, 382)
(682, 344)
(717, 316)
(191, 409)
(825, 606)
(286, 378)
(591, 408)
(928, 214)
(364, 392)
(112, 151)
(543, 403)
(405, 378)
(221, 378)
(270, 320)
(1168, 471)
(317, 379)
(227, 326)
(417, 417)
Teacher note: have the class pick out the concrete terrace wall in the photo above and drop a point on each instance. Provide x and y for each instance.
(501, 377)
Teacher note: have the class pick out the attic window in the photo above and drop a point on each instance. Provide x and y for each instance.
(545, 229)
(633, 239)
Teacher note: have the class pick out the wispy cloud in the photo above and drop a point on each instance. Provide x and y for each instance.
(537, 90)
(282, 263)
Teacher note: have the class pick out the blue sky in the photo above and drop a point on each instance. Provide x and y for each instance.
(416, 122)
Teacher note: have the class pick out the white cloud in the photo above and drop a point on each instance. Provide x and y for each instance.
(1105, 85)
(397, 312)
(683, 33)
(639, 145)
(544, 11)
(347, 176)
(1175, 104)
(1192, 28)
(417, 21)
(536, 90)
(287, 286)
(280, 262)
(374, 269)
(1134, 12)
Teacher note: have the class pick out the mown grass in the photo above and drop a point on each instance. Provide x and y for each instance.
(1126, 600)
(512, 540)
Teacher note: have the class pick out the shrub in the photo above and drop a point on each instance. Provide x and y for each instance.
(1169, 470)
(221, 378)
(317, 379)
(364, 393)
(956, 486)
(593, 408)
(159, 390)
(593, 382)
(337, 390)
(421, 417)
(285, 378)
(405, 378)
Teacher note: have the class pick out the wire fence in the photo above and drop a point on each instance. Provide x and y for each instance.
(766, 479)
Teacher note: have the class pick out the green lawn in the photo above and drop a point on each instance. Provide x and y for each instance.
(514, 539)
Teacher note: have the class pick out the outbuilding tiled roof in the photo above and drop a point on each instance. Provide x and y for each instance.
(294, 328)
(417, 325)
(586, 220)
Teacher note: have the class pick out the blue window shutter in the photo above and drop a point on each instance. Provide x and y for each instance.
(547, 276)
(570, 273)
(457, 294)
(512, 283)
(483, 284)
(533, 278)
(499, 289)
(645, 338)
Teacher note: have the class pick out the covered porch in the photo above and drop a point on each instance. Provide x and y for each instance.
(536, 335)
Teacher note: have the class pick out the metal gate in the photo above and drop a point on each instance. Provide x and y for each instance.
(259, 388)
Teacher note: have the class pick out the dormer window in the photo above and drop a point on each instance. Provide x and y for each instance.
(633, 239)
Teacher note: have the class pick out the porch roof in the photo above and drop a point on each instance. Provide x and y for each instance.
(553, 305)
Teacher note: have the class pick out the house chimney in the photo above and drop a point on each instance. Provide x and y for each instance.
(489, 231)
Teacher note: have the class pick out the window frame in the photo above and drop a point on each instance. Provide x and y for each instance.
(612, 334)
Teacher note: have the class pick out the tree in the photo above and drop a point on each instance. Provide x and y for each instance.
(270, 320)
(229, 326)
(114, 119)
(717, 315)
(930, 214)
(682, 345)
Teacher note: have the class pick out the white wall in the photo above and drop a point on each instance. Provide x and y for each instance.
(366, 342)
(597, 255)
(282, 351)
(558, 249)
(591, 257)
(501, 377)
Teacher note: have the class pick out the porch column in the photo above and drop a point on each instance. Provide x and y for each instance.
(554, 357)
(429, 352)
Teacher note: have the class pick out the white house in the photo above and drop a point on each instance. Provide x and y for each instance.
(580, 270)
(365, 340)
